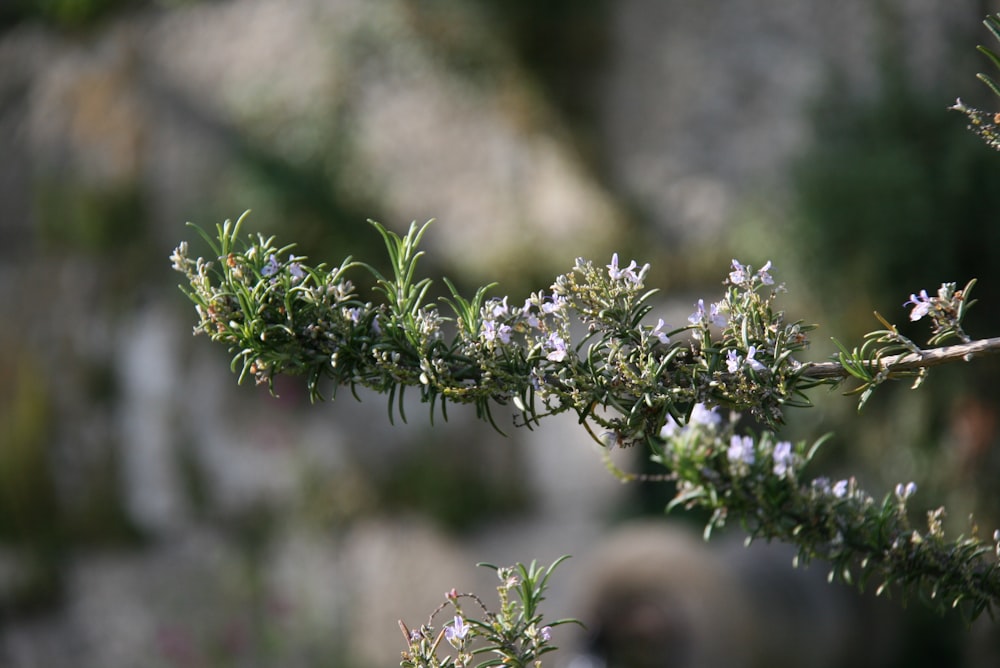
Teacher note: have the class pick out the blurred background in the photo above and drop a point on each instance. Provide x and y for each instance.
(154, 513)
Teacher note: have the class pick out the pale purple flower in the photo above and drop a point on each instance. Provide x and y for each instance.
(528, 315)
(754, 364)
(733, 361)
(554, 306)
(739, 274)
(703, 415)
(617, 274)
(903, 492)
(546, 633)
(295, 268)
(491, 332)
(659, 333)
(457, 630)
(557, 348)
(353, 314)
(740, 450)
(763, 274)
(637, 278)
(700, 415)
(822, 485)
(699, 315)
(921, 305)
(628, 273)
(500, 308)
(271, 268)
(712, 316)
(840, 489)
(670, 427)
(783, 458)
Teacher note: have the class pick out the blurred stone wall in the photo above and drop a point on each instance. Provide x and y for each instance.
(151, 512)
(703, 104)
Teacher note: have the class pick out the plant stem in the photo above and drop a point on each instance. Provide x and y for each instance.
(912, 361)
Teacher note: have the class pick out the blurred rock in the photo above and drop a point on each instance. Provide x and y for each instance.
(399, 570)
(376, 88)
(704, 103)
(86, 119)
(656, 595)
(653, 596)
(148, 360)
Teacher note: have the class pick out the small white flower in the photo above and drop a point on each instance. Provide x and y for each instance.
(741, 450)
(701, 414)
(670, 427)
(783, 458)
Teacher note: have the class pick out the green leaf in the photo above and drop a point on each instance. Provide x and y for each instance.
(989, 82)
(992, 23)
